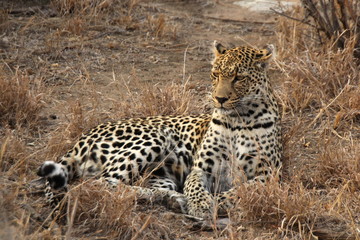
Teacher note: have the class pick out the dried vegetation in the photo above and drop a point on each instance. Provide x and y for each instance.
(319, 92)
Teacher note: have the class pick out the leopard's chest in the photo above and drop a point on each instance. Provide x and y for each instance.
(233, 149)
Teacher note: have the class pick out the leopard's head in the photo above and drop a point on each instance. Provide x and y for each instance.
(238, 74)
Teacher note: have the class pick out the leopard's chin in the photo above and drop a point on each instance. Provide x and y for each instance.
(225, 110)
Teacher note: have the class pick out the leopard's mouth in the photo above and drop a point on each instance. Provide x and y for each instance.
(225, 106)
(224, 109)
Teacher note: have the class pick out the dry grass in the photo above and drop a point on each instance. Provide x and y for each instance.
(84, 14)
(158, 27)
(319, 92)
(20, 100)
(91, 207)
(94, 210)
(169, 99)
(91, 8)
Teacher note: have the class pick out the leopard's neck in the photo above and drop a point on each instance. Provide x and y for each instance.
(251, 112)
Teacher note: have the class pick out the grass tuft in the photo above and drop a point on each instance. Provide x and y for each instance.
(93, 207)
(20, 101)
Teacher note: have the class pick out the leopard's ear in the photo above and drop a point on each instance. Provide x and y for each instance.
(219, 49)
(265, 54)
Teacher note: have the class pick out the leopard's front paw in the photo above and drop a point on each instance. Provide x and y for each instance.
(202, 207)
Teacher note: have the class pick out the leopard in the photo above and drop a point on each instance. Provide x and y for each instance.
(243, 140)
(190, 161)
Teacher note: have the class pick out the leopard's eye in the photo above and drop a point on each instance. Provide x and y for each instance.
(241, 77)
(238, 78)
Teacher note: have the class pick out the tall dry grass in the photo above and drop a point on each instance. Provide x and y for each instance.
(91, 7)
(171, 98)
(84, 14)
(21, 105)
(20, 100)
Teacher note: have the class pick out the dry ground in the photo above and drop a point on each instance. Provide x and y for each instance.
(68, 65)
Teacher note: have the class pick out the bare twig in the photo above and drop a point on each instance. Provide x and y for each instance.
(292, 18)
(327, 106)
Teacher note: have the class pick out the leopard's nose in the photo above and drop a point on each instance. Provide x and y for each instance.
(221, 100)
